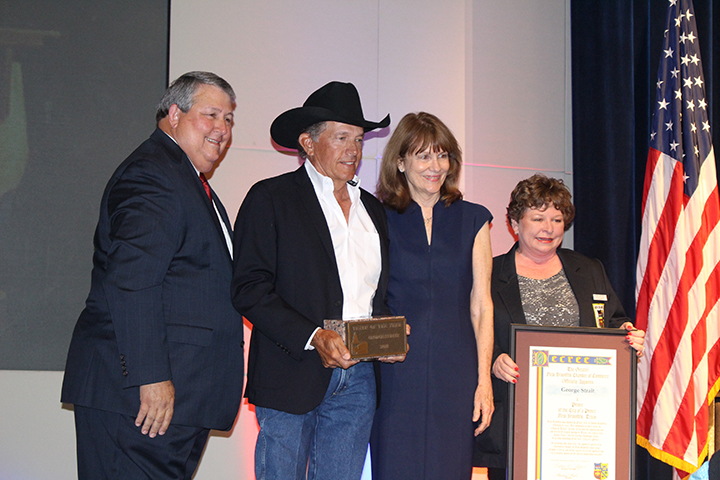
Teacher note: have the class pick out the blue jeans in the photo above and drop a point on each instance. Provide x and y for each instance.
(330, 442)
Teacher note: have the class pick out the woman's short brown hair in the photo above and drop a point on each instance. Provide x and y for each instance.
(415, 133)
(540, 192)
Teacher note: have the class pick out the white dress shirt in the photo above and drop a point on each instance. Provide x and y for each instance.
(356, 243)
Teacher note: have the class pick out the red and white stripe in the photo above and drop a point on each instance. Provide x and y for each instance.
(678, 288)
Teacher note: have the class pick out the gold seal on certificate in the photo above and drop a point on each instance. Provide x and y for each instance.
(371, 338)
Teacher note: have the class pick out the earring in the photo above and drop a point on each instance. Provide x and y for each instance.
(402, 170)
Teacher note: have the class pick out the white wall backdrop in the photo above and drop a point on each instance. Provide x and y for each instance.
(496, 72)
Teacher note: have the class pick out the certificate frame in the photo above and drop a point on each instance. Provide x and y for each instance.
(522, 337)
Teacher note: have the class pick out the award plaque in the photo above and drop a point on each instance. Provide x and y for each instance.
(371, 338)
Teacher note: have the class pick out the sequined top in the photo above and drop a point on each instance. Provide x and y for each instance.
(549, 301)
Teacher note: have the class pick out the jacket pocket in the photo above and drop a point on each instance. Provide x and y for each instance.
(189, 334)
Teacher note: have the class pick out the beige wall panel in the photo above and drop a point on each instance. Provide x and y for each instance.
(37, 436)
(518, 96)
(519, 83)
(422, 60)
(275, 53)
(492, 188)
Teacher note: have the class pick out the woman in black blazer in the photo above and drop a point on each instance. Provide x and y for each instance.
(539, 283)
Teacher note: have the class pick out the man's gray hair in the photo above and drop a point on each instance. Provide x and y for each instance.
(314, 131)
(181, 92)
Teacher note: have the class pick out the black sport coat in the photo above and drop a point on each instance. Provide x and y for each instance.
(286, 283)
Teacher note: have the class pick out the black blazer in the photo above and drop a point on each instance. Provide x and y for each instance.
(586, 277)
(286, 283)
(159, 305)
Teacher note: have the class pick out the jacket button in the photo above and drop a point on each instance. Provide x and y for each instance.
(125, 373)
(338, 303)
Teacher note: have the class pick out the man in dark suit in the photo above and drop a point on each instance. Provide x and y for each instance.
(156, 357)
(311, 245)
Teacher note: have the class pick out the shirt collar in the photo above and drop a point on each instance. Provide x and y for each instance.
(325, 186)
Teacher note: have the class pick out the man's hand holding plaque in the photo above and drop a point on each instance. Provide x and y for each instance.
(377, 338)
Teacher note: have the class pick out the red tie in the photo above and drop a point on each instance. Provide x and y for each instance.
(206, 185)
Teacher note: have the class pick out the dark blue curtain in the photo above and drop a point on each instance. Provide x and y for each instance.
(616, 47)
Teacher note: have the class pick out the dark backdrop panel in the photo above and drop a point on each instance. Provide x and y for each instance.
(79, 82)
(616, 47)
(609, 55)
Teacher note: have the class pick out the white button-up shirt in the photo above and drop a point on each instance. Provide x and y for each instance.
(356, 243)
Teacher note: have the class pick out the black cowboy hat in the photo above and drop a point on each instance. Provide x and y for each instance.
(336, 102)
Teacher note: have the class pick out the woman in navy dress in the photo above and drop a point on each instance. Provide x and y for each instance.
(440, 265)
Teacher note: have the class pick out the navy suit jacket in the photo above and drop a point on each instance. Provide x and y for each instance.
(159, 306)
(586, 277)
(286, 283)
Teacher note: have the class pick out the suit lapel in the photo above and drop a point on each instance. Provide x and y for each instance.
(312, 207)
(509, 289)
(195, 186)
(579, 283)
(200, 190)
(377, 217)
(223, 212)
(380, 226)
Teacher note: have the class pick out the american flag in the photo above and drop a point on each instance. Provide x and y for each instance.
(678, 270)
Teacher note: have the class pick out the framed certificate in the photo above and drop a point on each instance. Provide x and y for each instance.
(572, 413)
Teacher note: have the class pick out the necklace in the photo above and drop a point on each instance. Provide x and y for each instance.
(429, 209)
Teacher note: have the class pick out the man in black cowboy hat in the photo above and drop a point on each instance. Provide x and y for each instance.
(311, 245)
